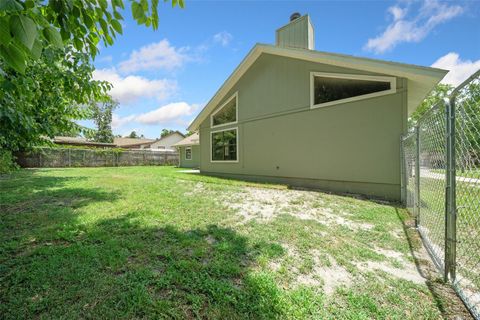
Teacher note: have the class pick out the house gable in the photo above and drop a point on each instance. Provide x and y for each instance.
(275, 85)
(421, 80)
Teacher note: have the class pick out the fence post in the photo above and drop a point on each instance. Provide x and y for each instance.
(417, 176)
(403, 184)
(450, 193)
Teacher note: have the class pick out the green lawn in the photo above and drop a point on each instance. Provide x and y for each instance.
(153, 242)
(470, 173)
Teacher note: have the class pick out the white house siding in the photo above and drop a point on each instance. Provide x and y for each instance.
(167, 142)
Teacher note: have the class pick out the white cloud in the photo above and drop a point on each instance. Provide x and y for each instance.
(460, 69)
(107, 59)
(172, 112)
(414, 28)
(159, 55)
(169, 112)
(118, 121)
(131, 88)
(224, 38)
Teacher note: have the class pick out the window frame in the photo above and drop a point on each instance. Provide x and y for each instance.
(189, 147)
(392, 80)
(211, 146)
(234, 96)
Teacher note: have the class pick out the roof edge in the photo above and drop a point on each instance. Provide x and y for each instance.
(427, 74)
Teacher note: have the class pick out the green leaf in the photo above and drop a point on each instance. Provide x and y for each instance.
(78, 44)
(117, 26)
(104, 26)
(14, 57)
(37, 48)
(137, 11)
(10, 5)
(118, 3)
(65, 35)
(88, 21)
(109, 39)
(53, 37)
(103, 4)
(24, 30)
(117, 15)
(5, 36)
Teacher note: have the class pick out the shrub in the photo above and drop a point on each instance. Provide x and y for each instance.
(7, 161)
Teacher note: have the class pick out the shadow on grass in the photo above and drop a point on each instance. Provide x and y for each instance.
(446, 300)
(55, 265)
(121, 269)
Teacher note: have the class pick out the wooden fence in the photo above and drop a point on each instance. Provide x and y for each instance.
(73, 157)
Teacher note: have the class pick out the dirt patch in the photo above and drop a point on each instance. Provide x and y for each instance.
(198, 188)
(407, 273)
(263, 204)
(326, 274)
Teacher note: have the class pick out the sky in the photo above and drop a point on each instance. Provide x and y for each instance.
(163, 78)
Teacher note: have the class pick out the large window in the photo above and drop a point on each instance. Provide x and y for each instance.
(188, 153)
(224, 145)
(328, 89)
(227, 113)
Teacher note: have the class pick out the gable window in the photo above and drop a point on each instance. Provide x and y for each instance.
(226, 114)
(188, 153)
(329, 88)
(224, 145)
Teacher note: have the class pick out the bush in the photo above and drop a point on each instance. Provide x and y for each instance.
(7, 161)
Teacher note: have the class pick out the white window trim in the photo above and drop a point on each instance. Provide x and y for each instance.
(189, 147)
(211, 146)
(234, 96)
(392, 80)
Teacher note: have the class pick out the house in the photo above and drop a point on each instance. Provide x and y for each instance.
(189, 151)
(80, 142)
(133, 143)
(167, 142)
(290, 114)
(164, 143)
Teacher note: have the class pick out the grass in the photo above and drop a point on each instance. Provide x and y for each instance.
(469, 173)
(432, 215)
(152, 242)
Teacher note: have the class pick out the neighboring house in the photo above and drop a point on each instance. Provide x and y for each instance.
(133, 143)
(167, 142)
(81, 142)
(307, 118)
(189, 151)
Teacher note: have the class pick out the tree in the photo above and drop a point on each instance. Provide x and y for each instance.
(440, 92)
(27, 27)
(45, 101)
(133, 134)
(46, 53)
(102, 116)
(166, 132)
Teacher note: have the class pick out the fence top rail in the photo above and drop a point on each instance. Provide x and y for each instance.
(113, 150)
(457, 90)
(408, 135)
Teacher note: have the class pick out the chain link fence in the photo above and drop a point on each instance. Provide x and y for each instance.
(74, 157)
(441, 187)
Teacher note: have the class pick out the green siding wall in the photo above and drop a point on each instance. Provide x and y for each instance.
(352, 147)
(194, 162)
